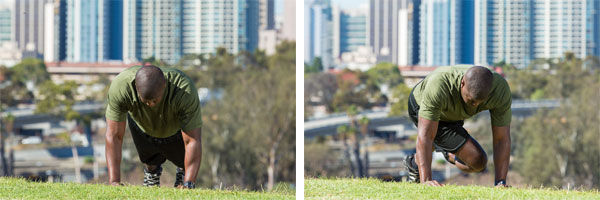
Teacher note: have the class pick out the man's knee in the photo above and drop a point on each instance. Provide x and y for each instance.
(479, 164)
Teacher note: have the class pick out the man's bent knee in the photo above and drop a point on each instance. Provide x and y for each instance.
(479, 164)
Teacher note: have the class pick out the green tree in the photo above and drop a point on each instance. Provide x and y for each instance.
(315, 67)
(385, 74)
(399, 100)
(344, 132)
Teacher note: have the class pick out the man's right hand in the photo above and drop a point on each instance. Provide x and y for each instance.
(117, 184)
(432, 183)
(114, 141)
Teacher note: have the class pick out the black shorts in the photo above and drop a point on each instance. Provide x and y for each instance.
(155, 151)
(450, 137)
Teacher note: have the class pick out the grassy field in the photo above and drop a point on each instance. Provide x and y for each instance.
(12, 188)
(376, 189)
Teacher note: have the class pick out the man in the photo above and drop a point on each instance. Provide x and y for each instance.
(439, 104)
(163, 112)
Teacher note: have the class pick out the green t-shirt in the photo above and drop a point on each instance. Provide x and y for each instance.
(439, 99)
(179, 108)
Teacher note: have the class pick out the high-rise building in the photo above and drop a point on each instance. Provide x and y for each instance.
(5, 23)
(518, 32)
(55, 37)
(383, 29)
(169, 29)
(93, 30)
(446, 32)
(317, 32)
(349, 30)
(408, 33)
(288, 30)
(267, 14)
(28, 32)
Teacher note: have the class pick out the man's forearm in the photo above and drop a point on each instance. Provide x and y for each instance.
(193, 158)
(423, 158)
(501, 140)
(113, 157)
(501, 158)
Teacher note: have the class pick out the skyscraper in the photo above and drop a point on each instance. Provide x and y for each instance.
(518, 32)
(93, 30)
(383, 29)
(408, 33)
(267, 14)
(349, 30)
(288, 30)
(169, 29)
(28, 32)
(5, 23)
(317, 31)
(446, 32)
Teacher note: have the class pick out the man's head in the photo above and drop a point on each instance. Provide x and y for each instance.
(476, 85)
(150, 84)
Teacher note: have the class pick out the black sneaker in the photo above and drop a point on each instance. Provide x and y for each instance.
(152, 178)
(413, 170)
(179, 177)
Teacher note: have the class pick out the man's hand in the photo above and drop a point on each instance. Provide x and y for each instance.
(425, 135)
(117, 184)
(432, 183)
(114, 141)
(193, 153)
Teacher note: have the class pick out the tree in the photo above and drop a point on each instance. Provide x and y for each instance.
(385, 73)
(351, 112)
(320, 88)
(364, 130)
(344, 131)
(559, 147)
(399, 100)
(315, 67)
(20, 80)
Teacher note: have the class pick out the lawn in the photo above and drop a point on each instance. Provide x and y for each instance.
(13, 188)
(376, 189)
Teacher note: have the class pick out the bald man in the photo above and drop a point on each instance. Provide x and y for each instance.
(162, 109)
(439, 104)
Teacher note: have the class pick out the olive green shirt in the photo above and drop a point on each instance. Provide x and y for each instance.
(179, 108)
(439, 97)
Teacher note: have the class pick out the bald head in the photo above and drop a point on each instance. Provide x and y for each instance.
(478, 82)
(149, 82)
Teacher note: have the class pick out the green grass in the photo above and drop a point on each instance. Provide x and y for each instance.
(13, 188)
(376, 189)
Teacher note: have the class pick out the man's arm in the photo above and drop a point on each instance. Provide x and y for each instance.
(193, 153)
(114, 142)
(426, 133)
(501, 141)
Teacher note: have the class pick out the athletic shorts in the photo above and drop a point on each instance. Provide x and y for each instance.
(450, 137)
(155, 151)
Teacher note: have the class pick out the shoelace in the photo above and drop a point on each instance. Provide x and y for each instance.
(179, 177)
(152, 179)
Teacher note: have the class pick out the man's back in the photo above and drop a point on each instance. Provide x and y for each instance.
(439, 97)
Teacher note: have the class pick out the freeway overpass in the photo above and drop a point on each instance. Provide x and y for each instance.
(327, 125)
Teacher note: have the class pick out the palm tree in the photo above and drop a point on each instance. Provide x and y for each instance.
(352, 111)
(364, 130)
(343, 131)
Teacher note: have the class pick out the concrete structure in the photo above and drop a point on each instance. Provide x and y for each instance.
(446, 32)
(288, 29)
(84, 72)
(5, 23)
(318, 32)
(268, 40)
(10, 54)
(383, 29)
(408, 32)
(518, 32)
(414, 74)
(360, 59)
(28, 28)
(266, 14)
(349, 30)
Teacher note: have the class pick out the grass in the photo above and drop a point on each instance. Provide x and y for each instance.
(376, 189)
(14, 188)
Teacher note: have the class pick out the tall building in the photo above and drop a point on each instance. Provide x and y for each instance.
(317, 32)
(267, 14)
(383, 29)
(82, 31)
(5, 23)
(349, 30)
(169, 29)
(408, 33)
(446, 32)
(518, 32)
(28, 32)
(288, 29)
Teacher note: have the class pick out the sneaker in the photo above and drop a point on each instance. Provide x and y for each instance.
(152, 178)
(413, 170)
(179, 177)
